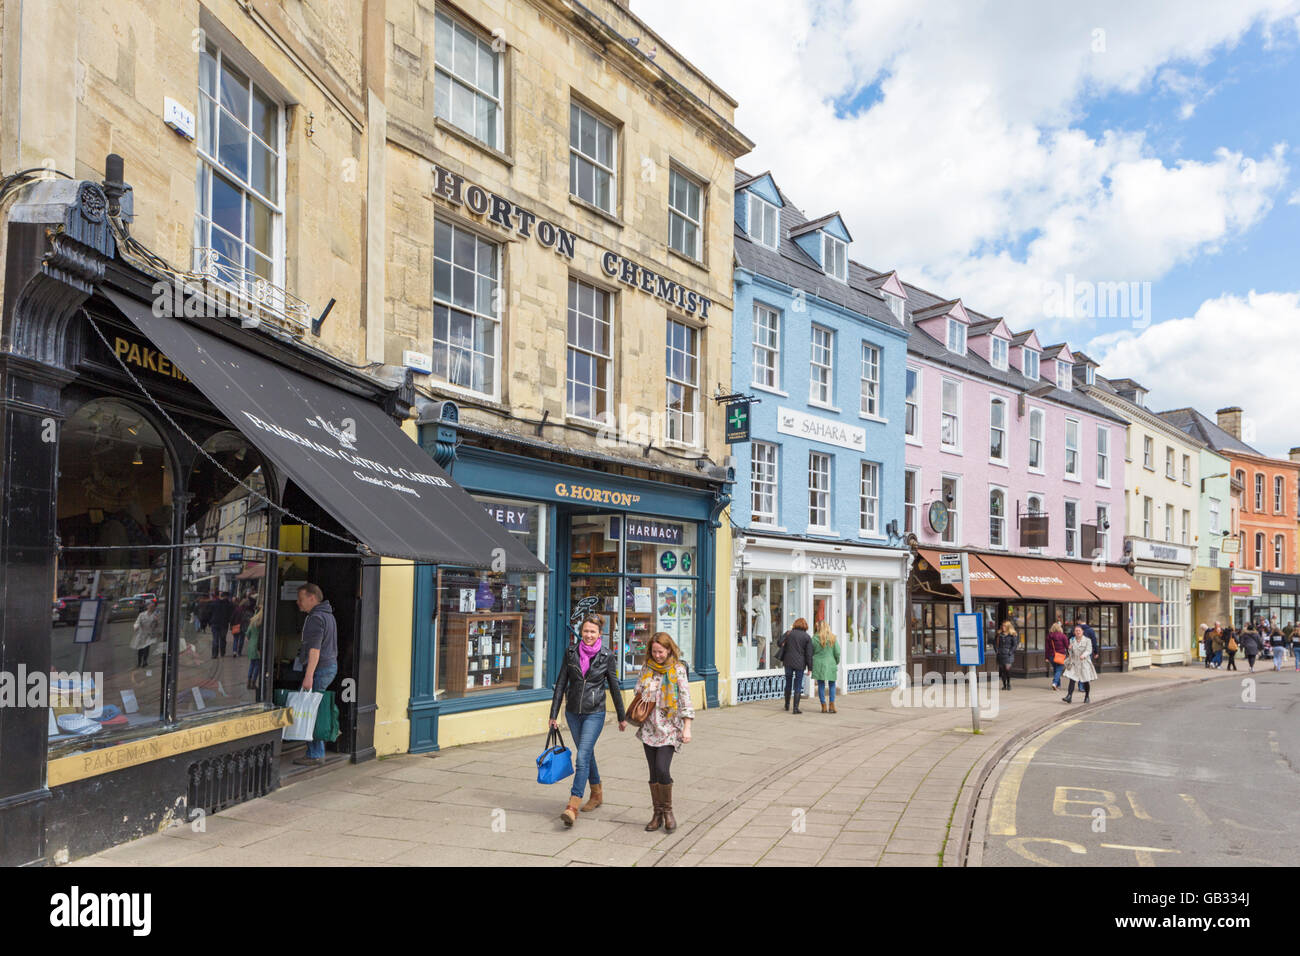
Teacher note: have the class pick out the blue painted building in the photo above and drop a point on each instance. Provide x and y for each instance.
(818, 509)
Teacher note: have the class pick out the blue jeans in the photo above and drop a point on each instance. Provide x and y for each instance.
(585, 729)
(1057, 671)
(793, 678)
(821, 690)
(319, 682)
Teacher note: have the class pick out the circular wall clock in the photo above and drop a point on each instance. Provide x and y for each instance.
(938, 516)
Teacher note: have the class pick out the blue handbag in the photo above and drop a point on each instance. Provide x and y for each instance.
(556, 761)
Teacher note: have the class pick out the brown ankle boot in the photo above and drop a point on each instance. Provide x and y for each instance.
(571, 811)
(656, 801)
(666, 798)
(597, 798)
(832, 706)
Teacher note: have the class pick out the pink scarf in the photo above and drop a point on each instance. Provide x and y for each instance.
(585, 654)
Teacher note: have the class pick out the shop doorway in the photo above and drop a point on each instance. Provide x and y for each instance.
(340, 581)
(827, 605)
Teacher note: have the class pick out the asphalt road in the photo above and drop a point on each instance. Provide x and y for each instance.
(1205, 775)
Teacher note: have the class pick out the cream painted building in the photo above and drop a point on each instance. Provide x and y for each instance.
(558, 251)
(1162, 472)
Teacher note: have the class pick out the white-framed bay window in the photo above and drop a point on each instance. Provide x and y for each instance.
(835, 257)
(998, 430)
(997, 518)
(239, 189)
(998, 352)
(950, 430)
(911, 516)
(1037, 418)
(870, 380)
(764, 221)
(1103, 455)
(912, 418)
(685, 215)
(1103, 532)
(590, 358)
(466, 323)
(1071, 448)
(1071, 528)
(593, 159)
(821, 372)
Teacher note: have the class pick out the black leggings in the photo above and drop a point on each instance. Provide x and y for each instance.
(660, 760)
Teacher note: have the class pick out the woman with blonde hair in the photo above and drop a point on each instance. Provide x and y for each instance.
(1004, 645)
(826, 663)
(663, 682)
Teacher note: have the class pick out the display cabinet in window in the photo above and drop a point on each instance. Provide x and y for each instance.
(482, 652)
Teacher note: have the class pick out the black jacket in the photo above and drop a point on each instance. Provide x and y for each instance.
(587, 694)
(797, 650)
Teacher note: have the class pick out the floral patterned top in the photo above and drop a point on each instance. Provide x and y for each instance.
(658, 731)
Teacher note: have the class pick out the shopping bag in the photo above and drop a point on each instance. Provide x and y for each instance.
(303, 706)
(555, 762)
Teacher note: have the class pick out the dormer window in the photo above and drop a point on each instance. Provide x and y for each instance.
(999, 353)
(1030, 358)
(835, 257)
(764, 221)
(956, 337)
(1063, 374)
(895, 305)
(1089, 375)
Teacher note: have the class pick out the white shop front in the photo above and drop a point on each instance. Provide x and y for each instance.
(1161, 633)
(859, 591)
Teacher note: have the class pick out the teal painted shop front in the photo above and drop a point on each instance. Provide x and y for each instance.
(639, 553)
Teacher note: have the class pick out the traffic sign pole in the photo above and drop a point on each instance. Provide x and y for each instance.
(974, 671)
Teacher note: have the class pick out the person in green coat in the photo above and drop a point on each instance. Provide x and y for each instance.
(826, 663)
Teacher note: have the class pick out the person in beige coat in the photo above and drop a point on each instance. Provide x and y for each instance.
(1078, 667)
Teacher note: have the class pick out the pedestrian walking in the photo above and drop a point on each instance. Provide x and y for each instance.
(1057, 651)
(255, 649)
(1295, 645)
(1216, 648)
(663, 681)
(797, 655)
(1250, 644)
(1231, 646)
(1004, 646)
(318, 657)
(1277, 644)
(1092, 637)
(589, 668)
(826, 664)
(1078, 667)
(222, 612)
(1207, 647)
(147, 631)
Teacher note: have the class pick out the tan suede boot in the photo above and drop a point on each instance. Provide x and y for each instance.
(571, 811)
(597, 798)
(832, 706)
(656, 800)
(823, 707)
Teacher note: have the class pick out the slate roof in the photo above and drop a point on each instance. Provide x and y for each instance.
(1020, 338)
(1201, 427)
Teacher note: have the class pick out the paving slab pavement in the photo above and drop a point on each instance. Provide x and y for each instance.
(875, 784)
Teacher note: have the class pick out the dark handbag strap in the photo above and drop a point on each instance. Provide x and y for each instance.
(555, 739)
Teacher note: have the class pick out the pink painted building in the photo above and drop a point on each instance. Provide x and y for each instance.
(1005, 458)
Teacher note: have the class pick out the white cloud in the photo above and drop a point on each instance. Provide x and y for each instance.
(1233, 351)
(969, 172)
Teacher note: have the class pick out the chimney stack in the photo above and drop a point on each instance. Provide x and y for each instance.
(1294, 454)
(1230, 420)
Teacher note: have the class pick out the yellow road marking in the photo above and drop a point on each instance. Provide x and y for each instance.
(1201, 816)
(1144, 857)
(1018, 846)
(1114, 723)
(1138, 810)
(1002, 815)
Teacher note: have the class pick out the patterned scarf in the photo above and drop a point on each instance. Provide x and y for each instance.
(668, 685)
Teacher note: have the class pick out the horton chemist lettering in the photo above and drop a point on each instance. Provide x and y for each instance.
(504, 214)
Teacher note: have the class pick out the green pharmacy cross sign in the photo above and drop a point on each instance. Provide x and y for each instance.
(737, 422)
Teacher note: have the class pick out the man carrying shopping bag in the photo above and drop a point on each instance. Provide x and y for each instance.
(318, 656)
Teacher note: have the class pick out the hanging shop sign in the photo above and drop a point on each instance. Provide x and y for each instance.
(737, 422)
(507, 215)
(825, 430)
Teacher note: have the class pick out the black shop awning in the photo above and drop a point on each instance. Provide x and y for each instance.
(342, 450)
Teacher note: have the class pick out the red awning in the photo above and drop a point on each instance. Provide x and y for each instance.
(1110, 583)
(256, 570)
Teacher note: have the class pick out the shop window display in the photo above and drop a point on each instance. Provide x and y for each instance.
(639, 575)
(1031, 624)
(766, 606)
(491, 630)
(114, 520)
(223, 574)
(868, 622)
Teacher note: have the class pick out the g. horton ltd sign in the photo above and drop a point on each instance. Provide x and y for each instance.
(504, 214)
(600, 495)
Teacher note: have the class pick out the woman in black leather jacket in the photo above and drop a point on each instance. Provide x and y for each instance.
(588, 669)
